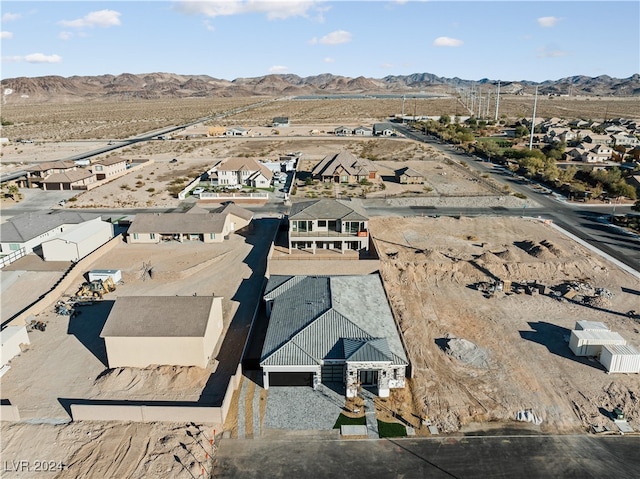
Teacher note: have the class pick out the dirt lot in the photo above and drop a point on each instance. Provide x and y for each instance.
(68, 361)
(518, 357)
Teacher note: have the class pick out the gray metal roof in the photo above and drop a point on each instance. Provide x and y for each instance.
(326, 210)
(329, 317)
(158, 316)
(25, 227)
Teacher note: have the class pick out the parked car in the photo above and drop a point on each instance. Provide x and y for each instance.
(175, 160)
(197, 191)
(234, 187)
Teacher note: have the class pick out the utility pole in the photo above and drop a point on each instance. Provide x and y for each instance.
(533, 119)
(403, 109)
(498, 100)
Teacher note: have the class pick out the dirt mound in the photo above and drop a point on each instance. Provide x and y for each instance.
(154, 378)
(552, 248)
(435, 256)
(465, 351)
(489, 257)
(509, 255)
(540, 252)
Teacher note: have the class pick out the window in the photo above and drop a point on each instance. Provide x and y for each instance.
(14, 246)
(322, 223)
(135, 235)
(152, 235)
(212, 236)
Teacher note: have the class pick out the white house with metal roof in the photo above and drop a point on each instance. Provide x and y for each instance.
(327, 224)
(164, 330)
(30, 230)
(331, 329)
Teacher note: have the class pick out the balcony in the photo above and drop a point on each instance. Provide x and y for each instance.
(327, 234)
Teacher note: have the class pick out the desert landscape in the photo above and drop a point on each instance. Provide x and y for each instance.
(478, 360)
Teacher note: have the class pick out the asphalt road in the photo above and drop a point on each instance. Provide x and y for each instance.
(448, 457)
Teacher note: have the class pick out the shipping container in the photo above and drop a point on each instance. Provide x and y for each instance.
(103, 274)
(589, 343)
(591, 326)
(620, 358)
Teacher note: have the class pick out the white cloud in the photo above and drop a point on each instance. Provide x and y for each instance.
(274, 9)
(447, 42)
(42, 58)
(100, 18)
(548, 22)
(9, 17)
(208, 26)
(336, 38)
(551, 51)
(329, 60)
(279, 69)
(313, 41)
(65, 35)
(387, 66)
(6, 35)
(13, 59)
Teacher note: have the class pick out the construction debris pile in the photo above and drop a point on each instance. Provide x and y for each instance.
(464, 351)
(583, 292)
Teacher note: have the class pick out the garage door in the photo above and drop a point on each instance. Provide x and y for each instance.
(290, 379)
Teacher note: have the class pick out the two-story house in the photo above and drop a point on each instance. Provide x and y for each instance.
(327, 224)
(110, 168)
(243, 171)
(37, 173)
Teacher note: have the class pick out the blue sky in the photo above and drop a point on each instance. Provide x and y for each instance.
(228, 39)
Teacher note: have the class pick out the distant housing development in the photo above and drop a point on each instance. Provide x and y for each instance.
(331, 329)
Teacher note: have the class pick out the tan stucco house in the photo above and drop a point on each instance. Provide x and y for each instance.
(110, 168)
(141, 331)
(344, 167)
(195, 225)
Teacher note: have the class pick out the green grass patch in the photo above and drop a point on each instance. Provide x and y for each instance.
(391, 429)
(349, 421)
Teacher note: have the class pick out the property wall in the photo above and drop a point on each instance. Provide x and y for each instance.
(151, 413)
(214, 329)
(141, 352)
(9, 413)
(11, 338)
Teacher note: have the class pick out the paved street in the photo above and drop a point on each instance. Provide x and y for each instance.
(446, 457)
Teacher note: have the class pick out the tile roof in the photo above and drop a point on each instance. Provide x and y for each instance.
(174, 223)
(110, 161)
(345, 160)
(325, 209)
(51, 165)
(70, 176)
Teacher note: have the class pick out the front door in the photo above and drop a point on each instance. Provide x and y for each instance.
(369, 378)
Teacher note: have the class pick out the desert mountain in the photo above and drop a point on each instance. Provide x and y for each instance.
(169, 85)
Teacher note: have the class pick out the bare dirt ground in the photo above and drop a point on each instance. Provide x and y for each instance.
(67, 360)
(519, 357)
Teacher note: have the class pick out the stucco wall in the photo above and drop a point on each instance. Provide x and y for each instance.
(141, 352)
(59, 249)
(12, 337)
(9, 413)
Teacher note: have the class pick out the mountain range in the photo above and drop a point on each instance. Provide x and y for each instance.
(53, 89)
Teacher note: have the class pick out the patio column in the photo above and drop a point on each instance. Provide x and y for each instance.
(265, 380)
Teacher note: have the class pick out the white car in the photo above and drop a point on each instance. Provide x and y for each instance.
(197, 191)
(234, 187)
